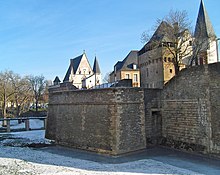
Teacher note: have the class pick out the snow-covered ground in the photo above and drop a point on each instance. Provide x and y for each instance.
(19, 156)
(34, 124)
(17, 159)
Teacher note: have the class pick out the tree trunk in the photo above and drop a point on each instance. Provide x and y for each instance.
(177, 69)
(4, 112)
(36, 105)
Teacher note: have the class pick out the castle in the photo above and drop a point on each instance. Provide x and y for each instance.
(176, 111)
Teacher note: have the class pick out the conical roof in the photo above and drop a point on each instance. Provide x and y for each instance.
(96, 68)
(163, 33)
(204, 26)
(56, 79)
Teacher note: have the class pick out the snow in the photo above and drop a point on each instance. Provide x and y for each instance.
(20, 160)
(24, 139)
(25, 160)
(31, 161)
(34, 124)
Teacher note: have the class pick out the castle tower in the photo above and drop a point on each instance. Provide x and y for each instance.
(205, 38)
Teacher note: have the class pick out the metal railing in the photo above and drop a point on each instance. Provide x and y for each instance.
(26, 121)
(104, 85)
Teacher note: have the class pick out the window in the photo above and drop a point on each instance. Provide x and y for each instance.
(79, 72)
(127, 76)
(135, 78)
(134, 66)
(190, 43)
(169, 59)
(84, 71)
(171, 71)
(165, 59)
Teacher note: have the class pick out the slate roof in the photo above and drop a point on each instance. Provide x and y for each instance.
(204, 26)
(74, 64)
(127, 63)
(56, 79)
(96, 68)
(164, 33)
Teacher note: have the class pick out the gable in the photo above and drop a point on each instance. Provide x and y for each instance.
(83, 66)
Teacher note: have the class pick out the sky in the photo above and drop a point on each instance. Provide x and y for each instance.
(39, 37)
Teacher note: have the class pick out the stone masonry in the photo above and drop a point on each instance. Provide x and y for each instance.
(191, 109)
(109, 121)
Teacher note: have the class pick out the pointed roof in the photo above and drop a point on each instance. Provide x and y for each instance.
(74, 64)
(204, 26)
(163, 33)
(96, 68)
(56, 80)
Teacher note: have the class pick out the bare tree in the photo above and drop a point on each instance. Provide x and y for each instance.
(38, 84)
(106, 78)
(22, 96)
(176, 39)
(6, 90)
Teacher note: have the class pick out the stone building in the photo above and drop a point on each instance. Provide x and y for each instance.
(80, 71)
(155, 60)
(127, 69)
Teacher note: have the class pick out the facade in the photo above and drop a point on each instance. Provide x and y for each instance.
(127, 69)
(156, 60)
(206, 38)
(95, 79)
(80, 70)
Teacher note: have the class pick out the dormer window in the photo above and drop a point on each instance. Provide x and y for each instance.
(134, 66)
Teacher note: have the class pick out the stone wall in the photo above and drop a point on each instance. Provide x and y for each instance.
(103, 120)
(214, 91)
(190, 115)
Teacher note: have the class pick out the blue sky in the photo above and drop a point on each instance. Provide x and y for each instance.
(39, 37)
